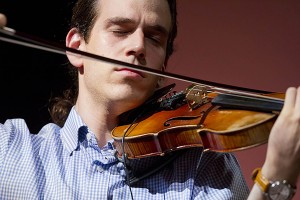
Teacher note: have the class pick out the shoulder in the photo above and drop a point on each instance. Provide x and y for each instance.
(11, 130)
(17, 128)
(15, 135)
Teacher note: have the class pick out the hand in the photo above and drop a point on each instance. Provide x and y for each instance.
(3, 20)
(283, 153)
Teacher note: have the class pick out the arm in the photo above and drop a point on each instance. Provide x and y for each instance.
(283, 152)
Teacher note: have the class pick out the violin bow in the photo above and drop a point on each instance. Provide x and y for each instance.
(12, 36)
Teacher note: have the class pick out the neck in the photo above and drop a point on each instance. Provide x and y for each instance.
(101, 119)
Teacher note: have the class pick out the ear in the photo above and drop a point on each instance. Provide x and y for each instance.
(74, 40)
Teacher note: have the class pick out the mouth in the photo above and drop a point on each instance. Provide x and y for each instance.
(130, 72)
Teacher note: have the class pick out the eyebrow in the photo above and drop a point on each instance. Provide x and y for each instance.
(127, 21)
(118, 21)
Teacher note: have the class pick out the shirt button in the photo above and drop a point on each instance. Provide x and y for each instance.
(99, 169)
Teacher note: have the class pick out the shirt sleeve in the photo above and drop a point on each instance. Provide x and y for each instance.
(9, 133)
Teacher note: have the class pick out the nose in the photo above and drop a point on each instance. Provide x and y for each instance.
(136, 46)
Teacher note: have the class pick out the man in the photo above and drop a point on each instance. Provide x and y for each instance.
(78, 160)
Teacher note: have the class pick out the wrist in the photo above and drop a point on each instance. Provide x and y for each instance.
(273, 189)
(279, 172)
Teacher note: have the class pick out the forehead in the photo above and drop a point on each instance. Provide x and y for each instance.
(152, 12)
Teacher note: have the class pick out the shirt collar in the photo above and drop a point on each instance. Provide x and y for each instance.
(70, 131)
(73, 129)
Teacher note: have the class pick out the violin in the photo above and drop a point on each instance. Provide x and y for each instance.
(199, 118)
(210, 115)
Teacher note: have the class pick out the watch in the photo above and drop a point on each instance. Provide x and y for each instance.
(274, 190)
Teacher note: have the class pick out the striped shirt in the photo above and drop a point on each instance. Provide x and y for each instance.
(67, 163)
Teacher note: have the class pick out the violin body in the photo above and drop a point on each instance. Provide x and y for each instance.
(209, 126)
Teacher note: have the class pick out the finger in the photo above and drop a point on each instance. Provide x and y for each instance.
(3, 20)
(290, 98)
(297, 107)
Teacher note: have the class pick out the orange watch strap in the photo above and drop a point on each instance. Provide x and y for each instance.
(258, 178)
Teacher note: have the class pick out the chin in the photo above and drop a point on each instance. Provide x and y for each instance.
(136, 92)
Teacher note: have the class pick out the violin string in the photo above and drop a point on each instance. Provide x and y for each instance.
(226, 91)
(60, 49)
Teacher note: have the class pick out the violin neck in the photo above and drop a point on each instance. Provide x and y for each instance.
(234, 101)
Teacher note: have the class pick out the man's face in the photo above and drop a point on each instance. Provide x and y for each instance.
(134, 31)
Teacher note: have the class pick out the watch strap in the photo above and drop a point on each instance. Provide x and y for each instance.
(260, 180)
(264, 183)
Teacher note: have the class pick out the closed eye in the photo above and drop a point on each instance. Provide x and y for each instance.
(120, 33)
(157, 39)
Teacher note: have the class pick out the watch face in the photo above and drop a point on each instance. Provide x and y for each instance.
(279, 191)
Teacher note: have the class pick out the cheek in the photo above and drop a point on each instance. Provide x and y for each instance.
(156, 58)
(153, 84)
(94, 71)
(100, 44)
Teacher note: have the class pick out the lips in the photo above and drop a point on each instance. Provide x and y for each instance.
(130, 72)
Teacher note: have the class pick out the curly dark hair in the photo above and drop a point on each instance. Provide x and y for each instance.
(84, 15)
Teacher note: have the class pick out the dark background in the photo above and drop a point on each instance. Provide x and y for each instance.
(252, 44)
(29, 77)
